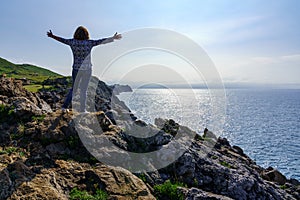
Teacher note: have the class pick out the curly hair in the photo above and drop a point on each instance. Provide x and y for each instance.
(81, 33)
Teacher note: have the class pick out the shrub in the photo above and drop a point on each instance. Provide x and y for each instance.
(169, 190)
(100, 195)
(143, 177)
(76, 194)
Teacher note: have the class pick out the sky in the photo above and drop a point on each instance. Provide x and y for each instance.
(249, 41)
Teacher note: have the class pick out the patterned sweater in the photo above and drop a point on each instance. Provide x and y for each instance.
(82, 51)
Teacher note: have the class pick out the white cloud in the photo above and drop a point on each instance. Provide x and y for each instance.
(227, 30)
(295, 57)
(278, 59)
(260, 69)
(264, 60)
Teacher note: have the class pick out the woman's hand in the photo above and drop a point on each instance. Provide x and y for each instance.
(50, 34)
(117, 36)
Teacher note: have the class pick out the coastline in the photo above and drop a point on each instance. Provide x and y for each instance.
(46, 152)
(273, 130)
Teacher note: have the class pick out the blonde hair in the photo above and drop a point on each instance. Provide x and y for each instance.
(81, 33)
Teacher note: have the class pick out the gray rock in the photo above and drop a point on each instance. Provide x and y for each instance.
(55, 149)
(4, 137)
(24, 108)
(198, 194)
(274, 175)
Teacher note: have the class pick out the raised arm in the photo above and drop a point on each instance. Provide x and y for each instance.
(60, 39)
(107, 40)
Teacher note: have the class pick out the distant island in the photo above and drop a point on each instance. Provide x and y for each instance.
(117, 88)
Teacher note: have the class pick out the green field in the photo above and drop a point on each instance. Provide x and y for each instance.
(33, 73)
(35, 87)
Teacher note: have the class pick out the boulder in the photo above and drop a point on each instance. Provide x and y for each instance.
(274, 175)
(25, 109)
(121, 183)
(25, 104)
(195, 193)
(11, 87)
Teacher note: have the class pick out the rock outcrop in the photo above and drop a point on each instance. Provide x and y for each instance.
(22, 103)
(55, 182)
(47, 160)
(117, 88)
(44, 156)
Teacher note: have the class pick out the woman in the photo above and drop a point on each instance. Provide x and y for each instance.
(81, 46)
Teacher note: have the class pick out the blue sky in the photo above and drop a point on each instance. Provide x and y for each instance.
(249, 41)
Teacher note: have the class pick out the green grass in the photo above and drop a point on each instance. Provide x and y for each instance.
(35, 87)
(283, 187)
(225, 164)
(33, 73)
(143, 177)
(21, 153)
(9, 150)
(76, 194)
(38, 118)
(169, 190)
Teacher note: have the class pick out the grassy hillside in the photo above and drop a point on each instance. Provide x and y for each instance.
(33, 73)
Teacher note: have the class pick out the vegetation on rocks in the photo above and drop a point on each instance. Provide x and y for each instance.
(76, 194)
(169, 190)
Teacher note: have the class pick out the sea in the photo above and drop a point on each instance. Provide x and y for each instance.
(265, 123)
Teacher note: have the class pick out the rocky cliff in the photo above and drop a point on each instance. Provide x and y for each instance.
(42, 156)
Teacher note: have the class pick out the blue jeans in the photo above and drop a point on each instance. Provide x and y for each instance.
(80, 80)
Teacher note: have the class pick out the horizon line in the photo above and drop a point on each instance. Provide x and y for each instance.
(237, 85)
